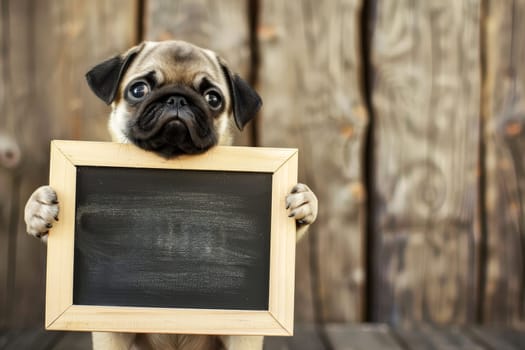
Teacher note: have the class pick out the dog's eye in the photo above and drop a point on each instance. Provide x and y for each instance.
(137, 91)
(214, 99)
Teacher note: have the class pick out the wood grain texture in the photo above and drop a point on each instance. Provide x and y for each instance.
(283, 244)
(233, 158)
(47, 47)
(426, 106)
(9, 180)
(310, 80)
(5, 208)
(218, 26)
(504, 138)
(8, 176)
(163, 320)
(60, 255)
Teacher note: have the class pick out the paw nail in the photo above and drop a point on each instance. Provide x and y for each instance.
(288, 206)
(292, 214)
(54, 201)
(295, 189)
(38, 235)
(56, 218)
(301, 222)
(49, 225)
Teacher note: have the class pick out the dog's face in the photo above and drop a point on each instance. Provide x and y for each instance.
(172, 97)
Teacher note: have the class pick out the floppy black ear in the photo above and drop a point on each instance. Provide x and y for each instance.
(104, 78)
(245, 100)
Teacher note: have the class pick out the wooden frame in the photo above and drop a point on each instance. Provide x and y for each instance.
(62, 314)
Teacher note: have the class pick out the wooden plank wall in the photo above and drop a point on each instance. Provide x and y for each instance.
(47, 46)
(503, 113)
(421, 215)
(426, 107)
(322, 109)
(311, 73)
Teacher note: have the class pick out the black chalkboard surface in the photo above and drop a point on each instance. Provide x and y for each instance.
(172, 238)
(197, 244)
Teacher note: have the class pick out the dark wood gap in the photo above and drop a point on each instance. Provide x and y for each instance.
(482, 180)
(253, 14)
(140, 20)
(366, 25)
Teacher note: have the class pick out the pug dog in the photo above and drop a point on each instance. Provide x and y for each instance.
(171, 98)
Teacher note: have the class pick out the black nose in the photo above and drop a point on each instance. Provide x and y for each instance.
(177, 101)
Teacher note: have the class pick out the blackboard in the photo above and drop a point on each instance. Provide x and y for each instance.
(198, 244)
(172, 238)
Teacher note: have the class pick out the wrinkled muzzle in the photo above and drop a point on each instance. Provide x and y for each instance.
(173, 121)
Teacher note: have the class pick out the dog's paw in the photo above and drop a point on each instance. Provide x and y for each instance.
(302, 205)
(41, 211)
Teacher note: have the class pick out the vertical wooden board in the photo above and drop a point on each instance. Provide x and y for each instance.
(5, 209)
(425, 97)
(51, 44)
(81, 34)
(221, 26)
(9, 160)
(6, 174)
(504, 138)
(16, 114)
(310, 80)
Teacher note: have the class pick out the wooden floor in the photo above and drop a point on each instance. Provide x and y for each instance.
(333, 337)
